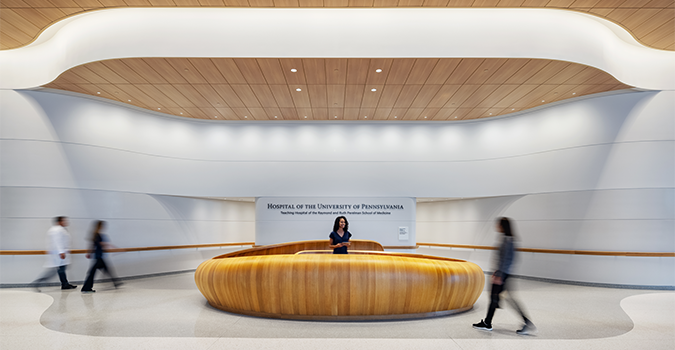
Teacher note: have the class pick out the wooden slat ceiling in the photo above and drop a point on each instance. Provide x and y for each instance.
(335, 89)
(652, 22)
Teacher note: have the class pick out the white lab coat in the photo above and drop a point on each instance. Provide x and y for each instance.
(58, 241)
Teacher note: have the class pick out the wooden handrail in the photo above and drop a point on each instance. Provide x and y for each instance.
(464, 246)
(120, 250)
(555, 251)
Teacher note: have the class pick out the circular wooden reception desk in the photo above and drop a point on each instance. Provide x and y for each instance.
(293, 282)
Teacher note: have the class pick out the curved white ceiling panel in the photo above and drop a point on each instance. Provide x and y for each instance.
(330, 33)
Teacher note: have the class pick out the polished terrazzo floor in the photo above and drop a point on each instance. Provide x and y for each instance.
(169, 312)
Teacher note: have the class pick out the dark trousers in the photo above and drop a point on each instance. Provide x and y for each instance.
(99, 264)
(497, 289)
(60, 270)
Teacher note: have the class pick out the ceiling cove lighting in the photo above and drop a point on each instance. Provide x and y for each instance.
(612, 49)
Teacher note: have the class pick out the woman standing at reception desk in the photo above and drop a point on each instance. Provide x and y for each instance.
(339, 238)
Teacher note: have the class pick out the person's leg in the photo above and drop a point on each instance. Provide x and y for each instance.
(90, 276)
(528, 327)
(61, 270)
(47, 274)
(109, 271)
(494, 302)
(511, 299)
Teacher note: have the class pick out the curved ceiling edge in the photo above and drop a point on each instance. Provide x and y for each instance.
(346, 33)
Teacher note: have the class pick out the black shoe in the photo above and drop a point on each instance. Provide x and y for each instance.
(528, 329)
(70, 286)
(482, 326)
(88, 291)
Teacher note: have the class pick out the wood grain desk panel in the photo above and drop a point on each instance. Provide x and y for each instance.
(319, 286)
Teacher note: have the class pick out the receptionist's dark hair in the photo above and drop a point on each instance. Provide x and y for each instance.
(336, 225)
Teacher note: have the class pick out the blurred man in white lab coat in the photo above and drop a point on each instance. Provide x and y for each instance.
(58, 250)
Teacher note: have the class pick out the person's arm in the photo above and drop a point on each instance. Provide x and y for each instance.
(59, 243)
(348, 243)
(333, 246)
(506, 252)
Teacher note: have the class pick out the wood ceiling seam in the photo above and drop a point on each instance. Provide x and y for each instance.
(653, 23)
(668, 39)
(426, 68)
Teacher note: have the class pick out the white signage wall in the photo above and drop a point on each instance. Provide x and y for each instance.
(288, 219)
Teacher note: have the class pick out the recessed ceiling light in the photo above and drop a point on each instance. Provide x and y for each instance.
(181, 113)
(513, 109)
(336, 116)
(159, 109)
(395, 116)
(305, 117)
(98, 92)
(129, 100)
(378, 70)
(275, 116)
(574, 93)
(543, 100)
(490, 113)
(455, 117)
(425, 117)
(298, 89)
(366, 117)
(293, 70)
(373, 90)
(215, 116)
(246, 116)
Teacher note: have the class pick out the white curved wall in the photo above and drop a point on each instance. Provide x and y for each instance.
(617, 149)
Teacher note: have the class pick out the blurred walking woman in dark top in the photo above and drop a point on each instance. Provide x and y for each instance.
(99, 243)
(504, 264)
(339, 238)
